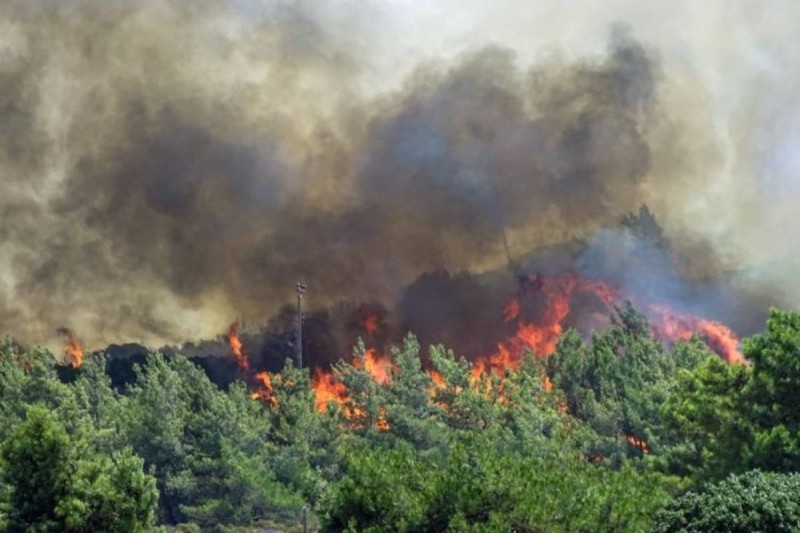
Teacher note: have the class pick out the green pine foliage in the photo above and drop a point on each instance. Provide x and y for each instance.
(754, 501)
(57, 482)
(615, 433)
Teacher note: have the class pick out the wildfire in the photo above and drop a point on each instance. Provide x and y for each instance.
(327, 389)
(376, 366)
(265, 392)
(237, 350)
(541, 336)
(681, 326)
(536, 332)
(73, 349)
(606, 292)
(437, 378)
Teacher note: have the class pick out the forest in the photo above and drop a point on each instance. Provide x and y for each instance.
(547, 246)
(618, 433)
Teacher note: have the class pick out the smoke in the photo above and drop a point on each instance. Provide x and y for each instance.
(168, 165)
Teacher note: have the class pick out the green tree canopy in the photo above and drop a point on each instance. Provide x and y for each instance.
(57, 482)
(753, 501)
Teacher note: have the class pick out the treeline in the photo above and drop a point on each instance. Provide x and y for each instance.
(618, 434)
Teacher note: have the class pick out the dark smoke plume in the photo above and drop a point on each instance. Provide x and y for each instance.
(168, 165)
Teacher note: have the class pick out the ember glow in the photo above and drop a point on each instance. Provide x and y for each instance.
(73, 348)
(511, 310)
(370, 324)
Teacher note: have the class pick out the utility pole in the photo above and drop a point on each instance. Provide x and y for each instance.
(304, 518)
(300, 288)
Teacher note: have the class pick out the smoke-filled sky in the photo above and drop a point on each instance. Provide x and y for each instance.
(169, 165)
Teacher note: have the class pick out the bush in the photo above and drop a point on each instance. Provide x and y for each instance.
(753, 501)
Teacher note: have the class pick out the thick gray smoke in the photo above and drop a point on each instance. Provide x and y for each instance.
(168, 165)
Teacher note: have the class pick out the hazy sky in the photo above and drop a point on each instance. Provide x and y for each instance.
(736, 62)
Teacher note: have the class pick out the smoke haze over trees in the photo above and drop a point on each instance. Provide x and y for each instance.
(169, 165)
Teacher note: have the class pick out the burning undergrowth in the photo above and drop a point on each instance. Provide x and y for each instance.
(493, 319)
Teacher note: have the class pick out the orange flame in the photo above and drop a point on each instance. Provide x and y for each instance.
(608, 293)
(437, 385)
(538, 335)
(541, 336)
(379, 368)
(265, 392)
(437, 378)
(73, 349)
(327, 389)
(676, 326)
(237, 349)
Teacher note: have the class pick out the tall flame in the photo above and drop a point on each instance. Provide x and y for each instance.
(265, 391)
(541, 336)
(73, 348)
(327, 389)
(237, 349)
